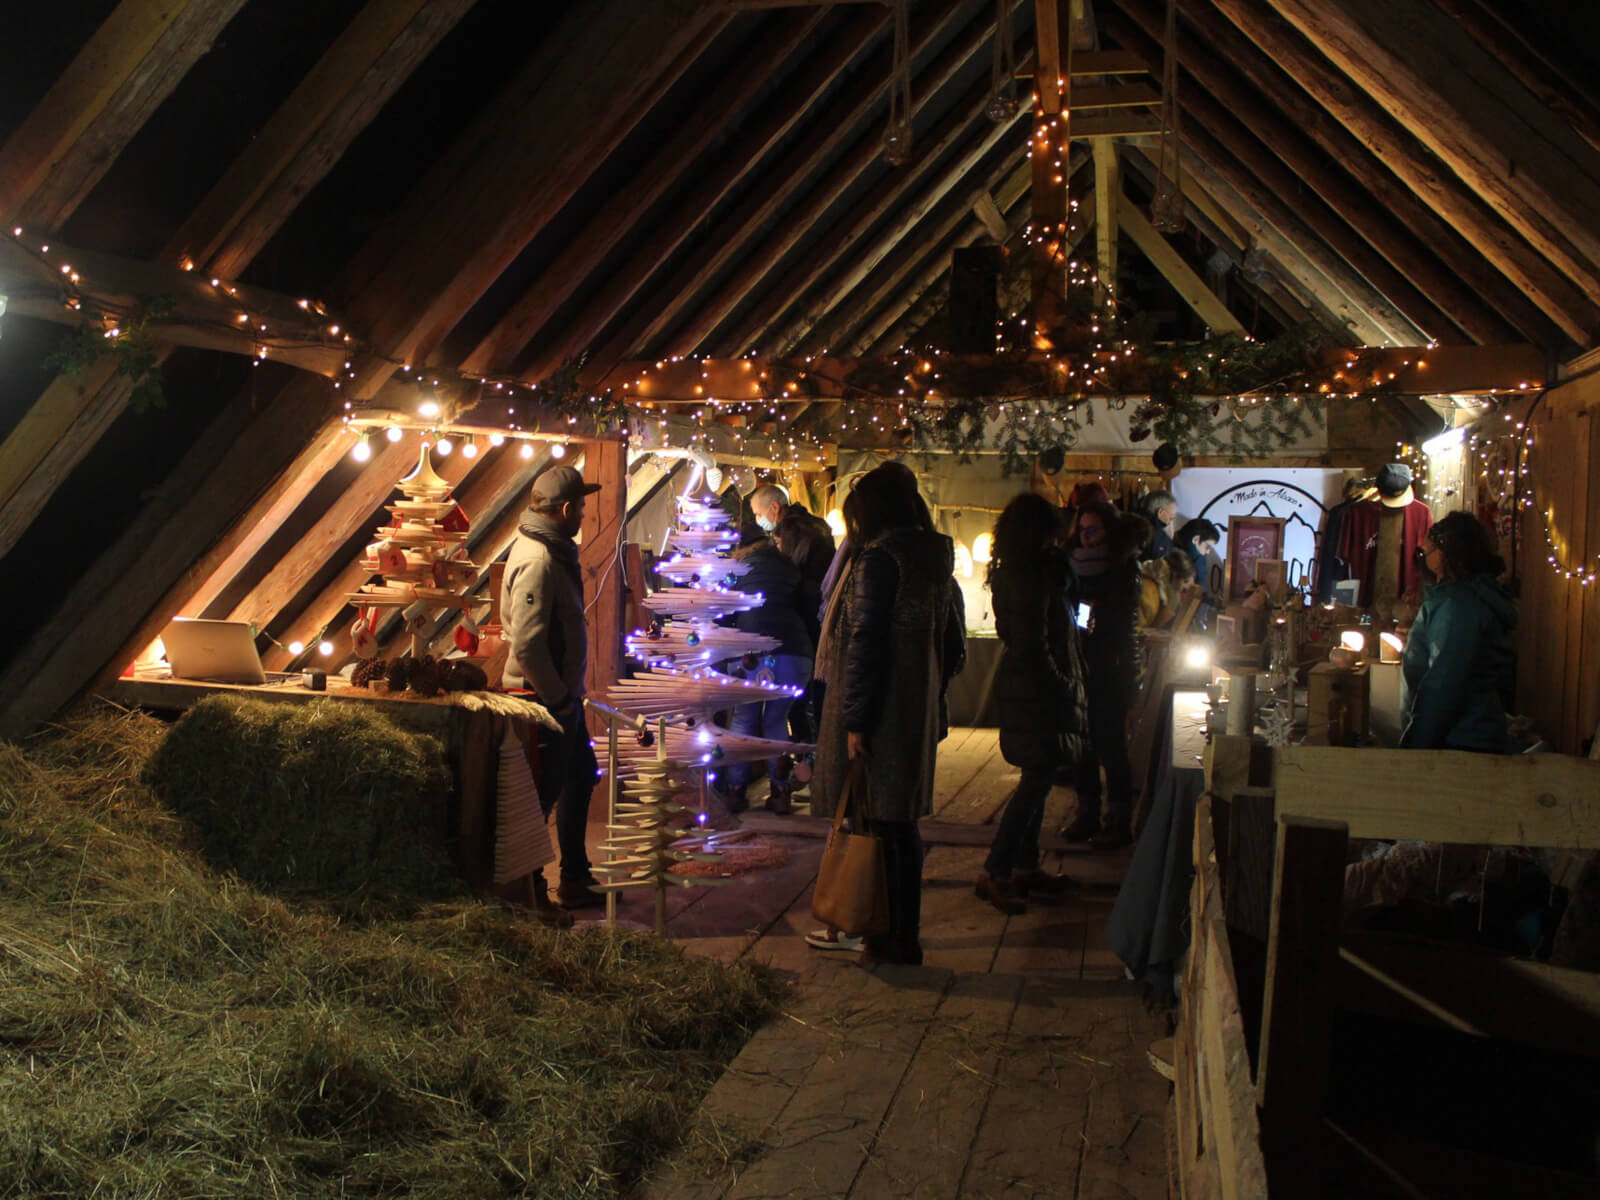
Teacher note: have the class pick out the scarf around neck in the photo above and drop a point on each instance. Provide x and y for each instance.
(1091, 561)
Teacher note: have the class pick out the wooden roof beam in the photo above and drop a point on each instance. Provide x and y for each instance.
(1170, 263)
(332, 103)
(775, 118)
(1300, 70)
(734, 293)
(1314, 145)
(630, 205)
(848, 229)
(829, 131)
(124, 71)
(1221, 93)
(1476, 149)
(1107, 196)
(603, 69)
(897, 255)
(1221, 138)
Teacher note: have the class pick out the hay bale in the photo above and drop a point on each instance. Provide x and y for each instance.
(321, 798)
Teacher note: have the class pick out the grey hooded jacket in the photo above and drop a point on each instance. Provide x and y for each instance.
(541, 608)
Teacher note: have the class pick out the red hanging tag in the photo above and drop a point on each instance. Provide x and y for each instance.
(456, 521)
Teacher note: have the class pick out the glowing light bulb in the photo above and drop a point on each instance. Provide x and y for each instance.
(325, 649)
(394, 433)
(361, 451)
(428, 408)
(983, 548)
(297, 647)
(497, 439)
(445, 445)
(470, 450)
(527, 450)
(558, 450)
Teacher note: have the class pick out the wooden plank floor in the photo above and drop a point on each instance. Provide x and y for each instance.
(1012, 1064)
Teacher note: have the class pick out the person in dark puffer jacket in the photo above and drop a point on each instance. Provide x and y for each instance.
(1044, 717)
(1105, 555)
(892, 638)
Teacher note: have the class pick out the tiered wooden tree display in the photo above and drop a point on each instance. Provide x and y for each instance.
(421, 555)
(660, 808)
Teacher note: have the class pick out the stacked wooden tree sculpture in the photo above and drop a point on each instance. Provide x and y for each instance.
(661, 778)
(421, 555)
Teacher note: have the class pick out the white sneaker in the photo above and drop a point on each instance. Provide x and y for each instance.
(834, 939)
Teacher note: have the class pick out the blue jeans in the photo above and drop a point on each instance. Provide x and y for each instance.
(567, 773)
(768, 719)
(1016, 839)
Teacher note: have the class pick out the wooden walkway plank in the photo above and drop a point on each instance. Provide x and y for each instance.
(922, 1148)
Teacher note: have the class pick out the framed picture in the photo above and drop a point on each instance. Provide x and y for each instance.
(1249, 540)
(1273, 572)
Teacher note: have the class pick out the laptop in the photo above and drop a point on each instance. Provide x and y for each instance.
(213, 651)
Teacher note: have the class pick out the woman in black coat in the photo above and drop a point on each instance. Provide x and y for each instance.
(1043, 709)
(1105, 556)
(892, 638)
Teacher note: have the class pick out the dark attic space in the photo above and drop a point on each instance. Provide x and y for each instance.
(736, 598)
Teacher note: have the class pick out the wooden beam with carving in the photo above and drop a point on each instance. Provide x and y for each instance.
(125, 70)
(1178, 273)
(734, 294)
(1406, 156)
(777, 117)
(1222, 91)
(1443, 89)
(829, 131)
(1285, 96)
(629, 205)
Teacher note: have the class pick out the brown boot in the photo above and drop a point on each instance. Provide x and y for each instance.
(1000, 893)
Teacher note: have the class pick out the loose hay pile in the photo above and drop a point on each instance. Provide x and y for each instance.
(169, 1031)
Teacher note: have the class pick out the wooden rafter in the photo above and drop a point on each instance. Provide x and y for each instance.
(869, 278)
(122, 73)
(522, 171)
(1285, 94)
(624, 210)
(1215, 88)
(889, 194)
(987, 210)
(335, 101)
(1170, 263)
(1437, 89)
(1226, 142)
(828, 132)
(813, 206)
(777, 117)
(1405, 155)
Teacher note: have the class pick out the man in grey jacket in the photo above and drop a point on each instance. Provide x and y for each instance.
(541, 607)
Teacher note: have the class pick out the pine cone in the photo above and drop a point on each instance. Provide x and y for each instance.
(367, 670)
(400, 674)
(427, 676)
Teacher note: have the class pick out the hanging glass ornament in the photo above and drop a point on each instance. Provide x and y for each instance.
(1003, 105)
(897, 137)
(897, 144)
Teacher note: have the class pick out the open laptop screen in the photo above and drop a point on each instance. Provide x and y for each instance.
(213, 651)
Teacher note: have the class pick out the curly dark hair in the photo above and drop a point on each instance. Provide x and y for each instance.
(1467, 546)
(1025, 527)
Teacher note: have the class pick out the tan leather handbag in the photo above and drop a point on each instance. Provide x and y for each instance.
(852, 894)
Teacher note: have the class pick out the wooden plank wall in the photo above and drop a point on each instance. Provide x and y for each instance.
(1558, 650)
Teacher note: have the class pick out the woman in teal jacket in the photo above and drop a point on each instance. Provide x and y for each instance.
(1459, 659)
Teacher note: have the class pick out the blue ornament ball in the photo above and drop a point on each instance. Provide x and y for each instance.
(693, 639)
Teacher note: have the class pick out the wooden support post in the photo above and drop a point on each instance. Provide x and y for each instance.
(1107, 204)
(1297, 1014)
(1372, 125)
(1178, 273)
(1048, 149)
(605, 463)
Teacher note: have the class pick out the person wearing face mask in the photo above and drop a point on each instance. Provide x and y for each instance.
(807, 542)
(1459, 658)
(541, 605)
